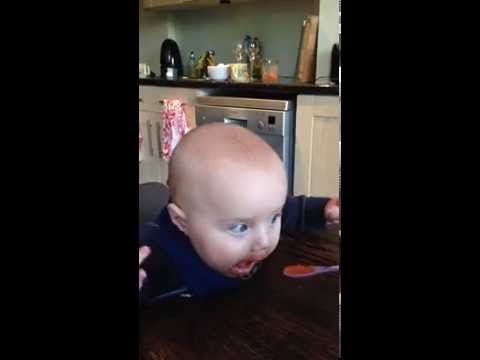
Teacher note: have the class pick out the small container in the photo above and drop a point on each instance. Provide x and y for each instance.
(219, 72)
(239, 72)
(143, 71)
(270, 71)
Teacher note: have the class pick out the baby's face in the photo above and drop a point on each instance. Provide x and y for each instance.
(240, 225)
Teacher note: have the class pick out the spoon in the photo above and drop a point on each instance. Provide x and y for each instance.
(299, 271)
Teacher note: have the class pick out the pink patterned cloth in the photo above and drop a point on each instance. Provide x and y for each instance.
(174, 126)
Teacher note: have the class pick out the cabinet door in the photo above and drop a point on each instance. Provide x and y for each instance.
(157, 133)
(152, 167)
(325, 165)
(147, 167)
(317, 155)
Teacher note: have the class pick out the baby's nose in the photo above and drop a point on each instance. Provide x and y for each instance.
(262, 241)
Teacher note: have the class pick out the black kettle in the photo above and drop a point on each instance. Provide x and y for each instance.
(170, 60)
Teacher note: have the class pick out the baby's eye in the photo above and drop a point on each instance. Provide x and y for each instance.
(275, 218)
(238, 229)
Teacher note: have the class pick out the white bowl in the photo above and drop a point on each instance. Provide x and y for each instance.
(219, 72)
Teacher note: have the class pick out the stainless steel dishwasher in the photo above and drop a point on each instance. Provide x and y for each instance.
(272, 120)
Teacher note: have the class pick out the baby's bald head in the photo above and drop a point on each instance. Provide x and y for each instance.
(215, 157)
(228, 190)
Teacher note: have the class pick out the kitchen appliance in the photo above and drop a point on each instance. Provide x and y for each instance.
(272, 120)
(170, 60)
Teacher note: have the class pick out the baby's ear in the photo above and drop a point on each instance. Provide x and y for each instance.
(178, 217)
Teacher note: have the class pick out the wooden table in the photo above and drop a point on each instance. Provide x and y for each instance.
(271, 317)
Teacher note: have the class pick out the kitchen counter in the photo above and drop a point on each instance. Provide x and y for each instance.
(284, 86)
(270, 317)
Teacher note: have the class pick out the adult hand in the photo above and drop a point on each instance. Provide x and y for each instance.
(143, 252)
(332, 212)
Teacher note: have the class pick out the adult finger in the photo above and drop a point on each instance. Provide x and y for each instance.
(143, 252)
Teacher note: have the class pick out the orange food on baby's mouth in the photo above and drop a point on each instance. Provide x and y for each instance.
(298, 269)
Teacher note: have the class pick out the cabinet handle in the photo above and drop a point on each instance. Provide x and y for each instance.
(149, 130)
(159, 139)
(140, 99)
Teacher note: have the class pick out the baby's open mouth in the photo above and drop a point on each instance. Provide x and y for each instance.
(245, 267)
(248, 264)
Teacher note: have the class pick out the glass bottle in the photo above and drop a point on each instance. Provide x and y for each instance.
(191, 66)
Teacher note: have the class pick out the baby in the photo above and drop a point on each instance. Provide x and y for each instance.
(228, 192)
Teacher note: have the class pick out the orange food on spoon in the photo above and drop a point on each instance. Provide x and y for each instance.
(298, 269)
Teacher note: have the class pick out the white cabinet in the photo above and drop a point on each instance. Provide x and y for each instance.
(153, 167)
(317, 151)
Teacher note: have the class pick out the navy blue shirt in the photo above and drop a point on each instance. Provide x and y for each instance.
(175, 269)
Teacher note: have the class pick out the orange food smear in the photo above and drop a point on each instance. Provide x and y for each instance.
(298, 269)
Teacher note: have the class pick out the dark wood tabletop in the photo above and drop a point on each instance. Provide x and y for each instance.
(270, 317)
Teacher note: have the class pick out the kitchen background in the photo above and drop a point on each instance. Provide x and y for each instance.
(277, 23)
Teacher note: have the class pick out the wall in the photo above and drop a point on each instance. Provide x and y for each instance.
(277, 23)
(327, 35)
(154, 28)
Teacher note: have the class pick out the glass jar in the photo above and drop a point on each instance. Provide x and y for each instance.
(239, 72)
(270, 70)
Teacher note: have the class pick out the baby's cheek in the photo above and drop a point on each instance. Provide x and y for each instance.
(276, 232)
(275, 244)
(235, 249)
(275, 238)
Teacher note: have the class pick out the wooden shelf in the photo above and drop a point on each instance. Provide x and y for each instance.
(185, 4)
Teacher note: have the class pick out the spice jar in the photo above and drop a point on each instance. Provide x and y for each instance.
(270, 70)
